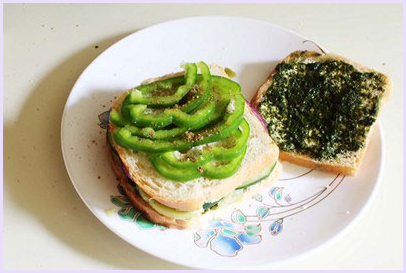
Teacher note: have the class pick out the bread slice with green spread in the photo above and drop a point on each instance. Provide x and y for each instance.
(320, 109)
(193, 203)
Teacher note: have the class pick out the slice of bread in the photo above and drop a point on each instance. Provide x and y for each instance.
(345, 163)
(261, 154)
(201, 218)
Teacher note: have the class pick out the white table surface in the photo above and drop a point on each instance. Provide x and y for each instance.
(47, 46)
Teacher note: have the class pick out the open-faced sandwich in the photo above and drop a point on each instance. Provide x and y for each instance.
(320, 109)
(186, 145)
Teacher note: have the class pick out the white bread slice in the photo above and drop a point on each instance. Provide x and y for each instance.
(202, 219)
(349, 163)
(261, 154)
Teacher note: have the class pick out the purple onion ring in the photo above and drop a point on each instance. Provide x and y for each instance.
(258, 115)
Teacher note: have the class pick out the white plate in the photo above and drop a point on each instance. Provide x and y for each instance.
(294, 217)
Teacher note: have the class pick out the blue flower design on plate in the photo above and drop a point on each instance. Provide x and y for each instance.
(276, 227)
(227, 238)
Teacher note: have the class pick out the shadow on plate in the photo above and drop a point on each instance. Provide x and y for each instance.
(36, 180)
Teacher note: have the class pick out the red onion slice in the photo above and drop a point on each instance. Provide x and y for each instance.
(258, 115)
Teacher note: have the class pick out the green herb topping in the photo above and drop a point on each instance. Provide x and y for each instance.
(321, 109)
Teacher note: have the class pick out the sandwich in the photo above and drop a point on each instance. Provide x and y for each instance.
(320, 109)
(186, 146)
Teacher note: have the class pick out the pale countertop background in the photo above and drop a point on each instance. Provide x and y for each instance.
(47, 46)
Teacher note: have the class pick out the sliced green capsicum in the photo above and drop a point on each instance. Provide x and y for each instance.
(117, 119)
(142, 115)
(222, 150)
(212, 133)
(171, 133)
(216, 169)
(179, 113)
(156, 98)
(169, 116)
(203, 92)
(220, 94)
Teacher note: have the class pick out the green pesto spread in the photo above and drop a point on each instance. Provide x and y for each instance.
(321, 109)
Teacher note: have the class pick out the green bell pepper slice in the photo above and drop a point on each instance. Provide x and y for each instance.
(171, 133)
(208, 134)
(153, 98)
(216, 169)
(151, 133)
(166, 84)
(169, 116)
(117, 119)
(193, 100)
(124, 138)
(223, 169)
(220, 91)
(142, 118)
(223, 149)
(204, 90)
(142, 115)
(167, 171)
(200, 116)
(150, 121)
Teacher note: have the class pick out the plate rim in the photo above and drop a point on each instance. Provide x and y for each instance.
(304, 254)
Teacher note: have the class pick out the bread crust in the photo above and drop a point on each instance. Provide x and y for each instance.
(195, 203)
(304, 160)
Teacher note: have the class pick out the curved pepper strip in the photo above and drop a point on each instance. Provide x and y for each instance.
(203, 93)
(216, 169)
(137, 113)
(209, 134)
(136, 96)
(220, 90)
(124, 138)
(143, 116)
(219, 152)
(150, 133)
(224, 127)
(165, 84)
(185, 120)
(169, 116)
(163, 134)
(197, 99)
(223, 123)
(140, 117)
(117, 119)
